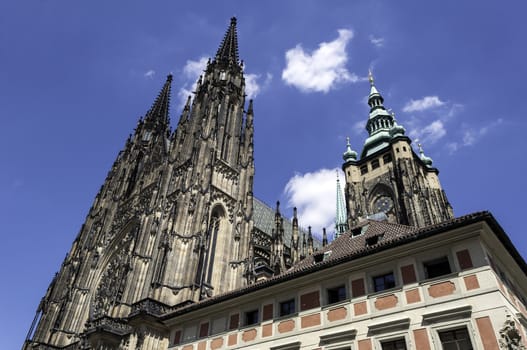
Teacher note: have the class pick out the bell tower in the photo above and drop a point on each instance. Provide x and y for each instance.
(390, 181)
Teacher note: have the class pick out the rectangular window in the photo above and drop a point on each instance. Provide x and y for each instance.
(387, 158)
(190, 333)
(364, 169)
(251, 317)
(456, 339)
(375, 164)
(287, 307)
(383, 282)
(397, 344)
(336, 294)
(219, 325)
(437, 267)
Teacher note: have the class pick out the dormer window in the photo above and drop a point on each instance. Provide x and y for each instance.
(373, 240)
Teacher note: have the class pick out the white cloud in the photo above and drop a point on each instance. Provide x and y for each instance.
(377, 42)
(322, 69)
(471, 136)
(191, 71)
(454, 109)
(150, 74)
(425, 103)
(452, 147)
(431, 133)
(314, 195)
(252, 87)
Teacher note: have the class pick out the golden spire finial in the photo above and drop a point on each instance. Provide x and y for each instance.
(370, 76)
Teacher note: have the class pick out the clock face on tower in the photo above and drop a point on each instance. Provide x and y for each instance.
(383, 204)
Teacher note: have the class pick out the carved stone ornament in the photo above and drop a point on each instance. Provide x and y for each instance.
(112, 283)
(510, 337)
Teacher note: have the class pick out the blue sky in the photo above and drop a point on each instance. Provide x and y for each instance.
(76, 76)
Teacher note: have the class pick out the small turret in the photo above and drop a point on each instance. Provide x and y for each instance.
(158, 115)
(303, 254)
(427, 160)
(294, 238)
(349, 155)
(309, 242)
(324, 237)
(341, 222)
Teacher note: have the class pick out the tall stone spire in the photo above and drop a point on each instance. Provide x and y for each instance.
(158, 115)
(228, 50)
(341, 223)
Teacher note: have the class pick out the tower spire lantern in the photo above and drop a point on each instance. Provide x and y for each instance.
(381, 125)
(374, 93)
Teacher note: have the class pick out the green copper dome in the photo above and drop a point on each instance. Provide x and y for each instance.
(427, 160)
(381, 125)
(349, 155)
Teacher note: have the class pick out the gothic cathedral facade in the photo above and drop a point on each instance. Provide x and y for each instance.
(173, 218)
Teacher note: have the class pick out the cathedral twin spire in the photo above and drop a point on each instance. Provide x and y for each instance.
(228, 50)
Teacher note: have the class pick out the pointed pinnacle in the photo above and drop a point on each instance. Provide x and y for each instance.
(250, 109)
(228, 49)
(159, 112)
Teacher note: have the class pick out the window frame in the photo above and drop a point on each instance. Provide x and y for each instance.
(249, 311)
(384, 274)
(427, 262)
(334, 287)
(392, 337)
(364, 169)
(375, 164)
(393, 340)
(283, 301)
(447, 327)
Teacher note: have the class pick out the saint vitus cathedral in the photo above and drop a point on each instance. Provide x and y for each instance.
(177, 253)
